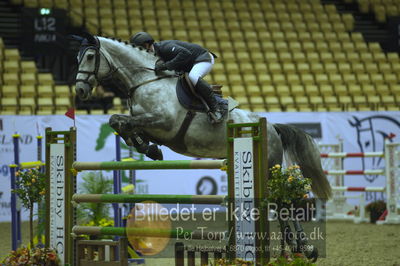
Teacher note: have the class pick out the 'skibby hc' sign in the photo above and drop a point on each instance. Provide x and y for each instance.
(57, 201)
(244, 199)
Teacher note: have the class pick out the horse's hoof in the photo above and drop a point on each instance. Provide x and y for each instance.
(154, 152)
(312, 253)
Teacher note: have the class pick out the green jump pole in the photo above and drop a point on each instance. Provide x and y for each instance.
(137, 198)
(145, 165)
(148, 232)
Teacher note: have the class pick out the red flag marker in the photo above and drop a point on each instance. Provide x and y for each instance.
(71, 114)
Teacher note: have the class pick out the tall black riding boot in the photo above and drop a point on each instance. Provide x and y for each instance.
(204, 89)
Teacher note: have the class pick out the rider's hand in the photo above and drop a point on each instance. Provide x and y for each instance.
(160, 67)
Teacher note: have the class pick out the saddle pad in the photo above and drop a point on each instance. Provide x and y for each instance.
(189, 101)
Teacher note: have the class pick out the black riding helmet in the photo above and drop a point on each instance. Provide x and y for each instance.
(140, 38)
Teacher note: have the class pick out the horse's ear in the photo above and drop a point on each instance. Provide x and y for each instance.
(89, 37)
(75, 37)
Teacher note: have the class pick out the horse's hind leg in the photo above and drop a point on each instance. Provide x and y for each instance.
(309, 251)
(287, 236)
(123, 126)
(297, 242)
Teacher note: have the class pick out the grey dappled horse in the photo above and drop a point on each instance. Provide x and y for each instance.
(157, 113)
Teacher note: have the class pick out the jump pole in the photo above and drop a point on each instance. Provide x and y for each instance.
(137, 198)
(147, 232)
(149, 165)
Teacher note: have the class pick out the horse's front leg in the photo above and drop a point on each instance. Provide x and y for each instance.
(125, 127)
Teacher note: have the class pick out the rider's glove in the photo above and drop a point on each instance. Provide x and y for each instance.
(160, 67)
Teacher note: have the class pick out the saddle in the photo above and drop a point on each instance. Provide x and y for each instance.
(190, 100)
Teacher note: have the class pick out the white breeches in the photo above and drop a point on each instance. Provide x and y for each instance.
(199, 70)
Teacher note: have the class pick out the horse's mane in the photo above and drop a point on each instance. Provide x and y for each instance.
(127, 44)
(129, 59)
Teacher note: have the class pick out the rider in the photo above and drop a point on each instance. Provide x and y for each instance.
(186, 57)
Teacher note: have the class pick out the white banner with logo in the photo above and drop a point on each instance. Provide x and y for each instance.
(359, 131)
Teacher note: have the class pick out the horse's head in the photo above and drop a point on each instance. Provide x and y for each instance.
(92, 66)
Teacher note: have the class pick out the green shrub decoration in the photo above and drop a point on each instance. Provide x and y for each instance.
(31, 185)
(286, 186)
(93, 212)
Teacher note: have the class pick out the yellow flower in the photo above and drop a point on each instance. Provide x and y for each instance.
(42, 192)
(277, 166)
(33, 180)
(305, 196)
(290, 179)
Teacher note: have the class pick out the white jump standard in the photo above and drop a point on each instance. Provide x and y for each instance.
(335, 210)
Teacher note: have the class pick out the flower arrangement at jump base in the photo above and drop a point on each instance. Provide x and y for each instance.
(287, 186)
(30, 189)
(37, 256)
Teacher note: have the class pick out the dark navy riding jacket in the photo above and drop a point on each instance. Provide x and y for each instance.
(180, 55)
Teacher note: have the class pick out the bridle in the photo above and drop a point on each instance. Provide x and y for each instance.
(95, 71)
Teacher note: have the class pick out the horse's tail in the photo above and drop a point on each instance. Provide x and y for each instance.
(301, 149)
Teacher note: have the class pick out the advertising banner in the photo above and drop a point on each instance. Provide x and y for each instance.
(357, 131)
